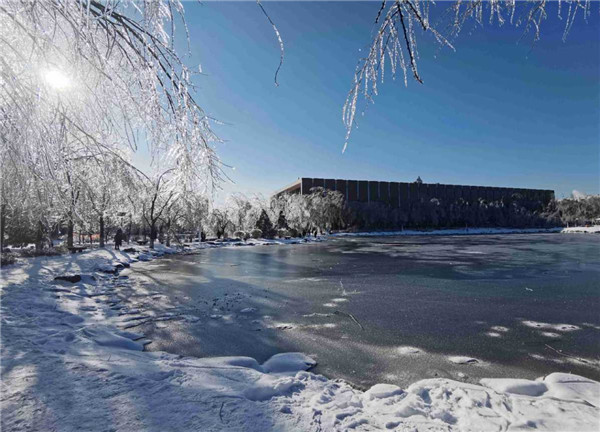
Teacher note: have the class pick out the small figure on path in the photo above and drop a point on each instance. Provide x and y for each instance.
(118, 239)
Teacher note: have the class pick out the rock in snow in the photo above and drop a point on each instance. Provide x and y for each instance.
(69, 278)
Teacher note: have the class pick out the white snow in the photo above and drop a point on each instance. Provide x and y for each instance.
(516, 386)
(67, 366)
(463, 360)
(548, 326)
(288, 362)
(493, 334)
(582, 230)
(407, 350)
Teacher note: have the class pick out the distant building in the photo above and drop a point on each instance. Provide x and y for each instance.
(402, 195)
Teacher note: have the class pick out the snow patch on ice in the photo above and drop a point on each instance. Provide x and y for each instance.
(462, 360)
(494, 334)
(408, 350)
(555, 327)
(339, 300)
(550, 334)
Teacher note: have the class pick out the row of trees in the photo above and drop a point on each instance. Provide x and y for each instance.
(578, 210)
(515, 211)
(323, 210)
(287, 215)
(159, 214)
(90, 92)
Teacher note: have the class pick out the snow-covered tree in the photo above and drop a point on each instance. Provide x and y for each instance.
(196, 212)
(83, 81)
(220, 222)
(238, 208)
(155, 196)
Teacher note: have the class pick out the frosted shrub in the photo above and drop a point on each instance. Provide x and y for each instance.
(241, 235)
(256, 233)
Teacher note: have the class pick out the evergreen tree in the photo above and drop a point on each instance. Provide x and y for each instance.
(265, 225)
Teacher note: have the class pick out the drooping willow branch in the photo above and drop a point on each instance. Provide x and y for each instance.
(399, 48)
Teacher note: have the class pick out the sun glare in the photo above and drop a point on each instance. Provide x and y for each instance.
(56, 79)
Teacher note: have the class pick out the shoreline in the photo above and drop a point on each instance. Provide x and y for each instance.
(449, 232)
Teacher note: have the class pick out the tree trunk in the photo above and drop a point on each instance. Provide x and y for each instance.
(101, 231)
(2, 225)
(168, 242)
(129, 230)
(152, 235)
(39, 236)
(70, 233)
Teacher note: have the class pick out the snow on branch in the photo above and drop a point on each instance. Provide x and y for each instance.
(102, 77)
(395, 40)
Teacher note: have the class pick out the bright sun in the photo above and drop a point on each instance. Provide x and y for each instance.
(56, 79)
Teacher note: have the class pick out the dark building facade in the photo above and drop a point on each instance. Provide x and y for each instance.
(402, 195)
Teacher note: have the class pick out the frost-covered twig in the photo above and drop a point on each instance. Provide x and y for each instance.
(279, 39)
(399, 48)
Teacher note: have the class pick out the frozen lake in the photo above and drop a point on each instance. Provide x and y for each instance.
(388, 309)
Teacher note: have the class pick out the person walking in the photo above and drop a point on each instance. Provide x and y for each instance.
(118, 239)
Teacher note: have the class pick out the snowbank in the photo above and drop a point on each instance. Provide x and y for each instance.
(582, 230)
(456, 231)
(69, 364)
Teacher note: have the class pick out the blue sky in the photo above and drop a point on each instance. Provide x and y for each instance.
(493, 112)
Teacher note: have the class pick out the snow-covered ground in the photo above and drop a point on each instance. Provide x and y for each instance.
(453, 231)
(70, 363)
(585, 230)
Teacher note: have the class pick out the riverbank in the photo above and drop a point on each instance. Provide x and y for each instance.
(450, 231)
(71, 362)
(582, 230)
